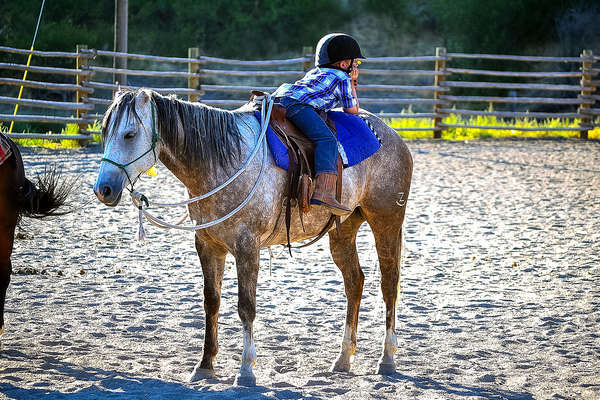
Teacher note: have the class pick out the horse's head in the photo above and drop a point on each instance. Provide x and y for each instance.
(130, 139)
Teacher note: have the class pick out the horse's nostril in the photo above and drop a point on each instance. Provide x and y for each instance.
(106, 191)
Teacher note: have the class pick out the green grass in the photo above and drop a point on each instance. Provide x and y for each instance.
(70, 129)
(476, 133)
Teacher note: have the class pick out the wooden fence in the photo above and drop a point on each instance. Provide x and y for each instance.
(437, 87)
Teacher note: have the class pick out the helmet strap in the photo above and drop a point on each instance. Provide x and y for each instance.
(349, 69)
(346, 70)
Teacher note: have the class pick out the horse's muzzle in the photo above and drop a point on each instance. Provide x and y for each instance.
(107, 193)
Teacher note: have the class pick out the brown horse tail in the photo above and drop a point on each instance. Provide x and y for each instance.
(45, 197)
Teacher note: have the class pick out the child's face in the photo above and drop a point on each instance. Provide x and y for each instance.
(345, 64)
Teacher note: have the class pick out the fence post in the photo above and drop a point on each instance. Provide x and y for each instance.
(81, 63)
(440, 66)
(307, 52)
(586, 90)
(193, 67)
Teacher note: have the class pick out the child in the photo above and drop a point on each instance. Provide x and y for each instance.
(331, 84)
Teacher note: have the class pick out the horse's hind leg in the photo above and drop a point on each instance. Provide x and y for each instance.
(388, 241)
(343, 251)
(212, 260)
(7, 234)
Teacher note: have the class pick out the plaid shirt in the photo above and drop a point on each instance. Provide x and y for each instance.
(322, 88)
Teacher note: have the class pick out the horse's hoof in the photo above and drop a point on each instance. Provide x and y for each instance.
(341, 366)
(245, 380)
(386, 369)
(199, 374)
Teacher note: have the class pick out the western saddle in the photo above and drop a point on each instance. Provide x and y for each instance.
(301, 167)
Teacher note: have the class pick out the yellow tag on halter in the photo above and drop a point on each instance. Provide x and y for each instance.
(358, 62)
(152, 172)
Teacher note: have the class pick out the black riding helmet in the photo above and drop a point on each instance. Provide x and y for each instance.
(336, 47)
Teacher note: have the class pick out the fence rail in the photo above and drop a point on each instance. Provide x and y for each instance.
(438, 86)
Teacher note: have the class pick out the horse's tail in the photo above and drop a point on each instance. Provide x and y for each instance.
(45, 197)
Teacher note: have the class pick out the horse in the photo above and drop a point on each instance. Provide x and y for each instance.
(203, 146)
(19, 197)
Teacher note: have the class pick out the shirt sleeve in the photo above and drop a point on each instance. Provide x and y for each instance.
(345, 94)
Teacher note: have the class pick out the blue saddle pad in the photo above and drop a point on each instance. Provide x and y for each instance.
(356, 140)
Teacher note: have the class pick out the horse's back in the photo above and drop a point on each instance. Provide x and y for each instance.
(388, 171)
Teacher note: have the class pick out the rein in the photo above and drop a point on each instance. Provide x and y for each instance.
(139, 200)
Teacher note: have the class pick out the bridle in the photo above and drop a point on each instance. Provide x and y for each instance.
(155, 140)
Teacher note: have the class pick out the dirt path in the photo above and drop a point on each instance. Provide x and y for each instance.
(500, 292)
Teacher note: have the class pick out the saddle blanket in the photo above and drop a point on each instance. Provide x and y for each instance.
(356, 140)
(5, 150)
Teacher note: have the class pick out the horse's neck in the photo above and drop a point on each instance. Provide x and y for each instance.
(203, 176)
(197, 178)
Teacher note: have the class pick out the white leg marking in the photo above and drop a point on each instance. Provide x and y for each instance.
(347, 352)
(386, 364)
(347, 347)
(390, 345)
(246, 377)
(248, 353)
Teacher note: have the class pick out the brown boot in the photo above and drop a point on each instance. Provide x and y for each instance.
(324, 194)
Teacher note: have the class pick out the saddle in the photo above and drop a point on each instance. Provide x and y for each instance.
(301, 167)
(9, 149)
(5, 148)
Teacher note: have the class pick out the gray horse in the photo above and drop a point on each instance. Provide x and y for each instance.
(204, 146)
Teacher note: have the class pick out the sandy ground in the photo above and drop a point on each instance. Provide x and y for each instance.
(500, 292)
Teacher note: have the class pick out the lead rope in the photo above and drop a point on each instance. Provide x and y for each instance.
(139, 200)
(141, 230)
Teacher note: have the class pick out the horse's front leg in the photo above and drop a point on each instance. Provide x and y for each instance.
(212, 259)
(247, 259)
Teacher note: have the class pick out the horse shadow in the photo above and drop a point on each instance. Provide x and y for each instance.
(106, 384)
(112, 384)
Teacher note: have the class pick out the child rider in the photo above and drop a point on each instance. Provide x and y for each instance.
(332, 83)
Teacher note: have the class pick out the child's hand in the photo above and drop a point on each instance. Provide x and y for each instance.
(354, 71)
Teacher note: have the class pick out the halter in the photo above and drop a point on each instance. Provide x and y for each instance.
(140, 200)
(155, 139)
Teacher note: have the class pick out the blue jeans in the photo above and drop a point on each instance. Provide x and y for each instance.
(305, 117)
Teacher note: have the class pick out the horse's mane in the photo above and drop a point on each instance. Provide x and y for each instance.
(193, 131)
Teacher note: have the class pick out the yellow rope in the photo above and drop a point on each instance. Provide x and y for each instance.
(20, 91)
(12, 123)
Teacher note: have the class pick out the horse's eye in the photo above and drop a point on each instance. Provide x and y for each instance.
(129, 134)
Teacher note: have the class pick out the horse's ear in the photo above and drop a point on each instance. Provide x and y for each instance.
(118, 93)
(142, 97)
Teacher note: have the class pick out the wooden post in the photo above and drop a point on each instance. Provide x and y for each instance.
(587, 61)
(307, 53)
(81, 63)
(440, 66)
(121, 32)
(193, 67)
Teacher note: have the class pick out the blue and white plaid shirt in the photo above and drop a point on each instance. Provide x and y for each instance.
(322, 88)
